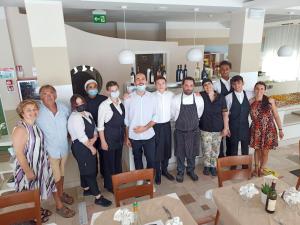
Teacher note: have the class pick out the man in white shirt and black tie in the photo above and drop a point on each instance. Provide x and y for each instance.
(186, 110)
(163, 135)
(140, 117)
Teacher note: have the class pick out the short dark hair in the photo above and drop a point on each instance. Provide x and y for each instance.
(140, 74)
(47, 86)
(160, 78)
(236, 78)
(225, 63)
(73, 100)
(111, 83)
(188, 78)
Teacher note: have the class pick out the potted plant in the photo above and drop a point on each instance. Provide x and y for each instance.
(265, 189)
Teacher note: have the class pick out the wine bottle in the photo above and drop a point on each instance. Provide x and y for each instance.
(177, 74)
(204, 74)
(158, 72)
(132, 76)
(185, 71)
(271, 199)
(148, 74)
(180, 73)
(164, 72)
(151, 76)
(197, 73)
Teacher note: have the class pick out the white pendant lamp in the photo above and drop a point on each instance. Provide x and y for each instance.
(126, 56)
(194, 54)
(286, 50)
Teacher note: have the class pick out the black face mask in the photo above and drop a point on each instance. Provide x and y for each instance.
(81, 108)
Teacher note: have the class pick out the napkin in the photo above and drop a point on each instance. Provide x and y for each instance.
(124, 216)
(174, 221)
(248, 190)
(291, 196)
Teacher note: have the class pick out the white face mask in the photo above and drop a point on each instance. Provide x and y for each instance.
(115, 94)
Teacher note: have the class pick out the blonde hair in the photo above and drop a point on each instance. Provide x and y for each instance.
(23, 104)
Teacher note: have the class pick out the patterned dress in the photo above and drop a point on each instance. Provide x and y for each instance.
(263, 130)
(37, 159)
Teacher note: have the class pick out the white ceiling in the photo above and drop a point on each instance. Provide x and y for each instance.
(154, 11)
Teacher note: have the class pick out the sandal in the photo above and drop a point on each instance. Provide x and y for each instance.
(67, 199)
(65, 212)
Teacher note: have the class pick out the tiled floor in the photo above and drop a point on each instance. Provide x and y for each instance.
(191, 193)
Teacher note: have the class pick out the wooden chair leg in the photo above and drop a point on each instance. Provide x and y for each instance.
(298, 184)
(217, 218)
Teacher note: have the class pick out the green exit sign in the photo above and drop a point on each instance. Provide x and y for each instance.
(99, 18)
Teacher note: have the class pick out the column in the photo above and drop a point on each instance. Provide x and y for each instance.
(245, 44)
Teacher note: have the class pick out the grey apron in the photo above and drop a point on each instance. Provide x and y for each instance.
(187, 133)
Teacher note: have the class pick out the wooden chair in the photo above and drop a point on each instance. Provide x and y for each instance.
(22, 214)
(122, 193)
(298, 183)
(230, 174)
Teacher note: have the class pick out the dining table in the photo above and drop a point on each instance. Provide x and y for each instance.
(235, 210)
(151, 211)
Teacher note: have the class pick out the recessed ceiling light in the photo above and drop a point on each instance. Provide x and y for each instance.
(124, 7)
(162, 7)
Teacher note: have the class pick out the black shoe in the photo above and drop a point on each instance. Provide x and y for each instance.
(193, 176)
(110, 190)
(179, 178)
(158, 178)
(168, 175)
(206, 171)
(102, 201)
(87, 192)
(213, 171)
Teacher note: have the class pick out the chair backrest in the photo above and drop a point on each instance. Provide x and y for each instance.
(298, 183)
(122, 193)
(229, 173)
(23, 214)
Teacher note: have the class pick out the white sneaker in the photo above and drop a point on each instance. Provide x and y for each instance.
(140, 182)
(154, 189)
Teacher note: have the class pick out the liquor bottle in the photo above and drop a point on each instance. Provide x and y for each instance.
(177, 74)
(180, 73)
(151, 81)
(137, 218)
(132, 76)
(204, 74)
(148, 74)
(164, 72)
(158, 72)
(185, 71)
(271, 199)
(197, 73)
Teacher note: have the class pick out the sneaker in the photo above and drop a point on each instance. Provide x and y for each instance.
(179, 178)
(103, 201)
(193, 176)
(213, 171)
(206, 171)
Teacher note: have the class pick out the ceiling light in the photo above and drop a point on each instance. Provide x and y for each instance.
(162, 7)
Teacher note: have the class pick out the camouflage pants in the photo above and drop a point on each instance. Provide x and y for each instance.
(210, 144)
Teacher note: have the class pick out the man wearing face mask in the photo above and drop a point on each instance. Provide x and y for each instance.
(140, 118)
(94, 99)
(111, 127)
(186, 110)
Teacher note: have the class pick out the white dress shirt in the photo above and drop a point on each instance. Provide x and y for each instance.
(217, 85)
(163, 104)
(240, 97)
(105, 112)
(186, 100)
(76, 126)
(140, 110)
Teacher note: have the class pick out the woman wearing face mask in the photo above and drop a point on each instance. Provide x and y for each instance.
(93, 100)
(82, 129)
(111, 129)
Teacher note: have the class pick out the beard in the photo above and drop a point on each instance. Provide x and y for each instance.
(188, 92)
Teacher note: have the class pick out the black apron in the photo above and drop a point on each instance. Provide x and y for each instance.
(224, 90)
(85, 159)
(115, 128)
(238, 119)
(163, 141)
(187, 134)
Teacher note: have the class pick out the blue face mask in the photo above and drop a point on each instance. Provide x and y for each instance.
(92, 92)
(141, 87)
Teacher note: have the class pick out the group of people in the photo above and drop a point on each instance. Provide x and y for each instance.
(99, 125)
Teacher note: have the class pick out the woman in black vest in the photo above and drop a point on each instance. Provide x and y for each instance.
(82, 129)
(111, 129)
(213, 126)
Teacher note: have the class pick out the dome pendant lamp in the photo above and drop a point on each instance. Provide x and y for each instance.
(286, 50)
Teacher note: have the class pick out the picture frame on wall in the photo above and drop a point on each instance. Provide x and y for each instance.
(28, 89)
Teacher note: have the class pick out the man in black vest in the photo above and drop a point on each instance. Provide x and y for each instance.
(239, 108)
(223, 87)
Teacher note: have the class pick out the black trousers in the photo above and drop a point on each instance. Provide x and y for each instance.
(146, 146)
(234, 147)
(97, 145)
(161, 166)
(222, 147)
(190, 164)
(91, 182)
(112, 163)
